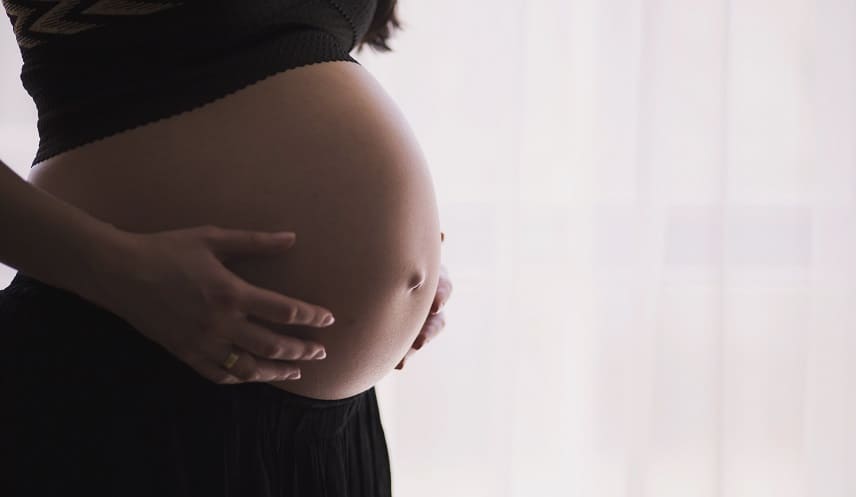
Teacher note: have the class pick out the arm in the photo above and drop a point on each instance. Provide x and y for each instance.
(182, 296)
(52, 240)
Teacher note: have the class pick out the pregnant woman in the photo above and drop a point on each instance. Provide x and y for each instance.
(159, 339)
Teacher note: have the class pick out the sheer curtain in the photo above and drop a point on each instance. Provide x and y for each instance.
(650, 228)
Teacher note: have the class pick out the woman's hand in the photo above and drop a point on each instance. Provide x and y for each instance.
(436, 320)
(174, 289)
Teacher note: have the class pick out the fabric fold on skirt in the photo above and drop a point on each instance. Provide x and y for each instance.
(92, 407)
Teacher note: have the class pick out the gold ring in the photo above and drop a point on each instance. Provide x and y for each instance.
(230, 361)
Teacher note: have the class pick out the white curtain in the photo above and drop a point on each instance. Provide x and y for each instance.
(651, 231)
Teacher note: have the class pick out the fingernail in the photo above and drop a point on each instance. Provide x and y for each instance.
(320, 354)
(294, 376)
(327, 321)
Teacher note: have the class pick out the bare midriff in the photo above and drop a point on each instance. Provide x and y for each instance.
(321, 150)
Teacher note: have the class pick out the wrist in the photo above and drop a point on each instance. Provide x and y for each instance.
(106, 254)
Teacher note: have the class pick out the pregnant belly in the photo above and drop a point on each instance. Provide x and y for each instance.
(320, 150)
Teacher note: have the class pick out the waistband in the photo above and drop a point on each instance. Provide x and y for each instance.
(33, 293)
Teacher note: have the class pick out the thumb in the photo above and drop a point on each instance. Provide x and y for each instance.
(229, 242)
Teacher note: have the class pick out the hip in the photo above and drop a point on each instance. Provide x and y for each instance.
(91, 405)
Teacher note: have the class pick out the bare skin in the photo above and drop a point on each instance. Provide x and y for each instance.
(320, 150)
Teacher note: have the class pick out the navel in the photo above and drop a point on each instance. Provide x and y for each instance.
(417, 279)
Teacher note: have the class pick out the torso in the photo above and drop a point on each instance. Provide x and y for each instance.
(320, 150)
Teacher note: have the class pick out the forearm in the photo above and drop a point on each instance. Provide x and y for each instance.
(52, 240)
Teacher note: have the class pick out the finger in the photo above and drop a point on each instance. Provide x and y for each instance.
(444, 290)
(404, 359)
(278, 308)
(251, 368)
(230, 242)
(429, 331)
(438, 303)
(264, 343)
(419, 342)
(214, 373)
(432, 327)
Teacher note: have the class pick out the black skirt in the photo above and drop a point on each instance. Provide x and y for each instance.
(91, 407)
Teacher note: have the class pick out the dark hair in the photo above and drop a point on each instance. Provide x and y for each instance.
(383, 25)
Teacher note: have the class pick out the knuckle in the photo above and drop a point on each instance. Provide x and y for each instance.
(258, 238)
(309, 348)
(271, 350)
(224, 295)
(302, 315)
(292, 314)
(209, 231)
(289, 352)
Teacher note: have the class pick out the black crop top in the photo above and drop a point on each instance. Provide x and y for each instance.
(98, 67)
